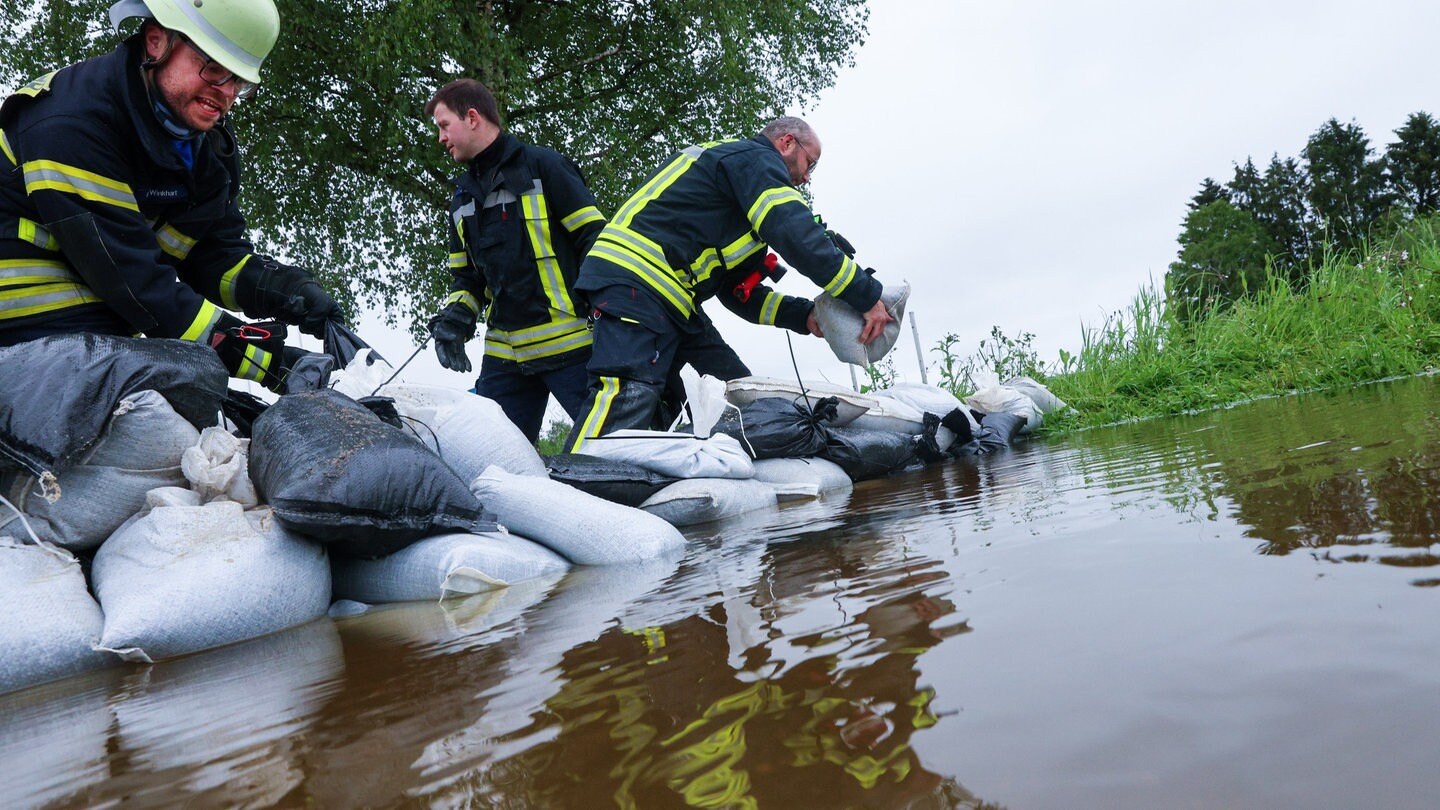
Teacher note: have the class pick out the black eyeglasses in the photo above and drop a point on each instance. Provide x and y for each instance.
(217, 75)
(811, 162)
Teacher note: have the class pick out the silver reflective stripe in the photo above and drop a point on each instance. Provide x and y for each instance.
(466, 210)
(174, 242)
(694, 151)
(240, 55)
(48, 271)
(501, 197)
(13, 305)
(45, 174)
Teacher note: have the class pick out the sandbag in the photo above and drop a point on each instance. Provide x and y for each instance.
(335, 473)
(929, 399)
(218, 468)
(678, 455)
(50, 620)
(849, 404)
(1045, 402)
(825, 476)
(779, 428)
(445, 565)
(582, 528)
(1004, 399)
(701, 500)
(182, 577)
(997, 432)
(865, 454)
(617, 481)
(72, 384)
(139, 450)
(468, 431)
(842, 326)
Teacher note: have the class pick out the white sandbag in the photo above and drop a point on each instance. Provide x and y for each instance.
(183, 577)
(470, 432)
(744, 390)
(927, 398)
(139, 450)
(578, 526)
(825, 476)
(1040, 395)
(443, 566)
(705, 398)
(218, 468)
(1004, 399)
(678, 455)
(894, 416)
(842, 326)
(49, 621)
(701, 500)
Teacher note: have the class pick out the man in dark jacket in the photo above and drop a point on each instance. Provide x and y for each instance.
(700, 226)
(118, 193)
(521, 219)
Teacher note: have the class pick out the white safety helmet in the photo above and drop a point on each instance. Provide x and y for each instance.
(238, 34)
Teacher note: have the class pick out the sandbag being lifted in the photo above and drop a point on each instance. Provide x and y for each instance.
(335, 473)
(842, 326)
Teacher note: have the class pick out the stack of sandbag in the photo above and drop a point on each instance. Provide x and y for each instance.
(333, 472)
(139, 450)
(842, 326)
(1018, 396)
(186, 575)
(50, 620)
(468, 431)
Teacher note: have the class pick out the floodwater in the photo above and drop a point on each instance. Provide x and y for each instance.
(1231, 609)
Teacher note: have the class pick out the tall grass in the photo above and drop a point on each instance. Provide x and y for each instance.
(1357, 317)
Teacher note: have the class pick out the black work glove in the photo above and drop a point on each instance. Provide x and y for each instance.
(310, 307)
(253, 351)
(450, 330)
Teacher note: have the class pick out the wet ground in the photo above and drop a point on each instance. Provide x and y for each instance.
(1232, 609)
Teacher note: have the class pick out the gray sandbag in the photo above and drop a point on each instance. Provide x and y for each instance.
(998, 431)
(779, 428)
(50, 620)
(617, 481)
(445, 565)
(842, 326)
(182, 577)
(582, 528)
(701, 500)
(825, 476)
(335, 473)
(140, 450)
(865, 454)
(72, 383)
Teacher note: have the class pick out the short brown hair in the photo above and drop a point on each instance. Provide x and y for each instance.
(463, 95)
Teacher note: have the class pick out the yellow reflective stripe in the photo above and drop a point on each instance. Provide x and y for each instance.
(465, 298)
(741, 249)
(205, 320)
(770, 308)
(458, 260)
(174, 242)
(37, 85)
(227, 284)
(704, 264)
(583, 217)
(14, 272)
(560, 324)
(36, 234)
(5, 147)
(536, 351)
(653, 188)
(49, 174)
(767, 202)
(661, 281)
(255, 364)
(843, 276)
(599, 411)
(25, 301)
(537, 226)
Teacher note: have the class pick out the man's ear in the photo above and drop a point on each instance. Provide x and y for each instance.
(472, 118)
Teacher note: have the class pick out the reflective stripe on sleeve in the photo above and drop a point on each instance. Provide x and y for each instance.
(205, 320)
(36, 234)
(583, 217)
(768, 201)
(5, 147)
(458, 260)
(465, 298)
(227, 284)
(48, 174)
(174, 242)
(254, 366)
(843, 276)
(771, 308)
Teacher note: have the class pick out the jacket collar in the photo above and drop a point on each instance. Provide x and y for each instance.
(487, 172)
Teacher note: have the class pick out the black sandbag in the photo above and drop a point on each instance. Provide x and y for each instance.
(332, 471)
(57, 393)
(998, 431)
(864, 454)
(343, 344)
(775, 427)
(615, 481)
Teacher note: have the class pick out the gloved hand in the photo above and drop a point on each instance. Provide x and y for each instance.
(253, 351)
(450, 330)
(309, 307)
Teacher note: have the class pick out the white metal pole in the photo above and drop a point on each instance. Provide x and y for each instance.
(919, 354)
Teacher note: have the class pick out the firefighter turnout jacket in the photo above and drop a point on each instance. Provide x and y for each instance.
(103, 228)
(704, 220)
(521, 221)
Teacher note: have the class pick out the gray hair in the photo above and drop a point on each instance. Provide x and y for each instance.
(788, 125)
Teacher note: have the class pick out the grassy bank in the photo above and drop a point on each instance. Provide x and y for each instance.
(1357, 318)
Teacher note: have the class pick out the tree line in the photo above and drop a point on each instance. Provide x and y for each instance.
(1278, 222)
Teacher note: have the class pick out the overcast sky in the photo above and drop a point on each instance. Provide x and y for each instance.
(1027, 164)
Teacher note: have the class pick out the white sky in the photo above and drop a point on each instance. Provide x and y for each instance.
(1027, 164)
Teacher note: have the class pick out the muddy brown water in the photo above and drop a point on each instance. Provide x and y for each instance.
(1231, 609)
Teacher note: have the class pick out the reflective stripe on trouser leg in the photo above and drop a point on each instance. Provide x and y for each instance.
(615, 403)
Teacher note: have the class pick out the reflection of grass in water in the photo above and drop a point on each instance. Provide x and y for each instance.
(1355, 318)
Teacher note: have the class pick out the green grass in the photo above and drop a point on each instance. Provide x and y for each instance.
(1357, 318)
